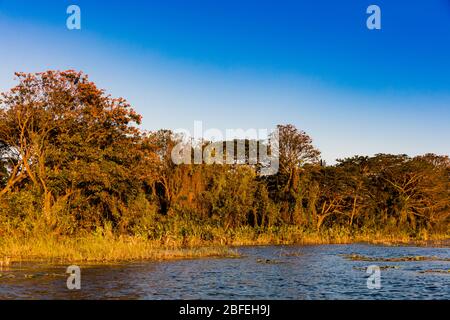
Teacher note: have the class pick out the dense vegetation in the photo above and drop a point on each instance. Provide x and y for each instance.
(73, 162)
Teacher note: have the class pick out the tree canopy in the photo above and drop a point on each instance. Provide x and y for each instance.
(73, 159)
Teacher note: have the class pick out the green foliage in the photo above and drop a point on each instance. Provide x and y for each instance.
(73, 162)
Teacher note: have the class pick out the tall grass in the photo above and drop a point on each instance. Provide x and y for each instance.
(196, 242)
(100, 249)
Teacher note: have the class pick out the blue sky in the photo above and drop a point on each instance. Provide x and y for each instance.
(255, 64)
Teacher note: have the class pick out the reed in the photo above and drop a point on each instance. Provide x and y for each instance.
(202, 241)
(5, 262)
(95, 249)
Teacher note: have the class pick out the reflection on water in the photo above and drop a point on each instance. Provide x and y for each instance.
(287, 272)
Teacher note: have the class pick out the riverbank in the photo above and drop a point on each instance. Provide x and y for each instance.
(106, 248)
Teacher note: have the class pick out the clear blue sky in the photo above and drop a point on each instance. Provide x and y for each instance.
(255, 64)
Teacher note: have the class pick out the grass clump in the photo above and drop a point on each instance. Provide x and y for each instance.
(101, 249)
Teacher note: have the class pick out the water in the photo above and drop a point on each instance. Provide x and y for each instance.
(294, 272)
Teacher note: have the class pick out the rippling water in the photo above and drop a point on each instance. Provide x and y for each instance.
(292, 272)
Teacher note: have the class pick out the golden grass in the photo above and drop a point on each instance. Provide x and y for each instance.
(100, 249)
(288, 235)
(109, 248)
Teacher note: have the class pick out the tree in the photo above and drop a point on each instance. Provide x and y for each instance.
(327, 194)
(355, 177)
(287, 186)
(295, 149)
(75, 156)
(67, 139)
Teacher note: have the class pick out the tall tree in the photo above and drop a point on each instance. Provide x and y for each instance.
(67, 137)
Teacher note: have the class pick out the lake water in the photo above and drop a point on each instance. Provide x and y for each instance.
(292, 272)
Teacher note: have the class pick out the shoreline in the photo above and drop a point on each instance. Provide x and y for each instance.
(110, 250)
